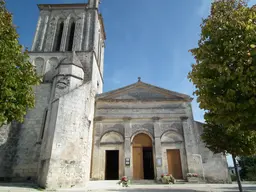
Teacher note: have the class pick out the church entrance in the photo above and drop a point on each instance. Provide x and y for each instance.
(112, 165)
(143, 166)
(174, 163)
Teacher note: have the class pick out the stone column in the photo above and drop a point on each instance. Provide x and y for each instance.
(44, 32)
(87, 32)
(127, 146)
(95, 167)
(65, 34)
(190, 144)
(158, 147)
(51, 32)
(37, 33)
(78, 36)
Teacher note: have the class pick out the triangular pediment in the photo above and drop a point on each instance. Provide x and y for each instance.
(143, 91)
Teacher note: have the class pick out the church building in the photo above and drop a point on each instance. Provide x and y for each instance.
(76, 133)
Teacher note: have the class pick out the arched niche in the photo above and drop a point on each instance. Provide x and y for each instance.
(112, 137)
(39, 64)
(50, 69)
(171, 137)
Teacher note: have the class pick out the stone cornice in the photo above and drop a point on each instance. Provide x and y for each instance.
(62, 6)
(135, 100)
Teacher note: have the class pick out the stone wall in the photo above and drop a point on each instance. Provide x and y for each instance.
(28, 146)
(215, 166)
(65, 162)
(9, 137)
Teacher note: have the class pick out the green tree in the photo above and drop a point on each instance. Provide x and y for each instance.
(17, 74)
(225, 77)
(248, 168)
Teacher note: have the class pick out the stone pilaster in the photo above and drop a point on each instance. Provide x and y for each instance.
(87, 31)
(157, 147)
(190, 145)
(96, 168)
(64, 34)
(43, 32)
(78, 37)
(51, 32)
(127, 146)
(37, 33)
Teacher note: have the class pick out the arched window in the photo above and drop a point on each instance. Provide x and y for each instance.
(70, 36)
(58, 36)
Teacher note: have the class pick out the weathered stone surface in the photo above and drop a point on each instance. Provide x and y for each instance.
(64, 139)
(169, 123)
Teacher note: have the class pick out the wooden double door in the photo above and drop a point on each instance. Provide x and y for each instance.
(142, 154)
(143, 166)
(174, 163)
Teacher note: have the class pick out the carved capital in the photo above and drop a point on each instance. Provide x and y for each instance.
(183, 118)
(127, 118)
(155, 118)
(98, 118)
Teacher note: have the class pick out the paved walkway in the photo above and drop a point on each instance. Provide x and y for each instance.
(111, 186)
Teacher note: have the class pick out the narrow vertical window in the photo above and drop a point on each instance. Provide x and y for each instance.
(44, 123)
(58, 36)
(70, 36)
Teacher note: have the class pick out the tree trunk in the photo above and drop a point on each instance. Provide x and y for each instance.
(237, 174)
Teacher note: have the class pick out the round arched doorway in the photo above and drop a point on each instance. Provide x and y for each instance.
(143, 166)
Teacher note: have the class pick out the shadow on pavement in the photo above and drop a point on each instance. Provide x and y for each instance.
(21, 185)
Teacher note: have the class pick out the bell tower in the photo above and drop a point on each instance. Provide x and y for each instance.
(68, 52)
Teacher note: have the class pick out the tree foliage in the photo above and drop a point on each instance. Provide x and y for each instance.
(248, 168)
(225, 77)
(17, 74)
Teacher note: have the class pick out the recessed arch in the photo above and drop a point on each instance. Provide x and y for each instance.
(142, 140)
(39, 65)
(171, 137)
(112, 137)
(142, 132)
(50, 69)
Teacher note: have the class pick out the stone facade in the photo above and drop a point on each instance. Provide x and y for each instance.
(166, 117)
(64, 139)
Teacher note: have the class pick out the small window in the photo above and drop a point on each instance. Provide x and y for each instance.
(44, 123)
(58, 36)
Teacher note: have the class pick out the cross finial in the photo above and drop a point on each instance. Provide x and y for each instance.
(139, 79)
